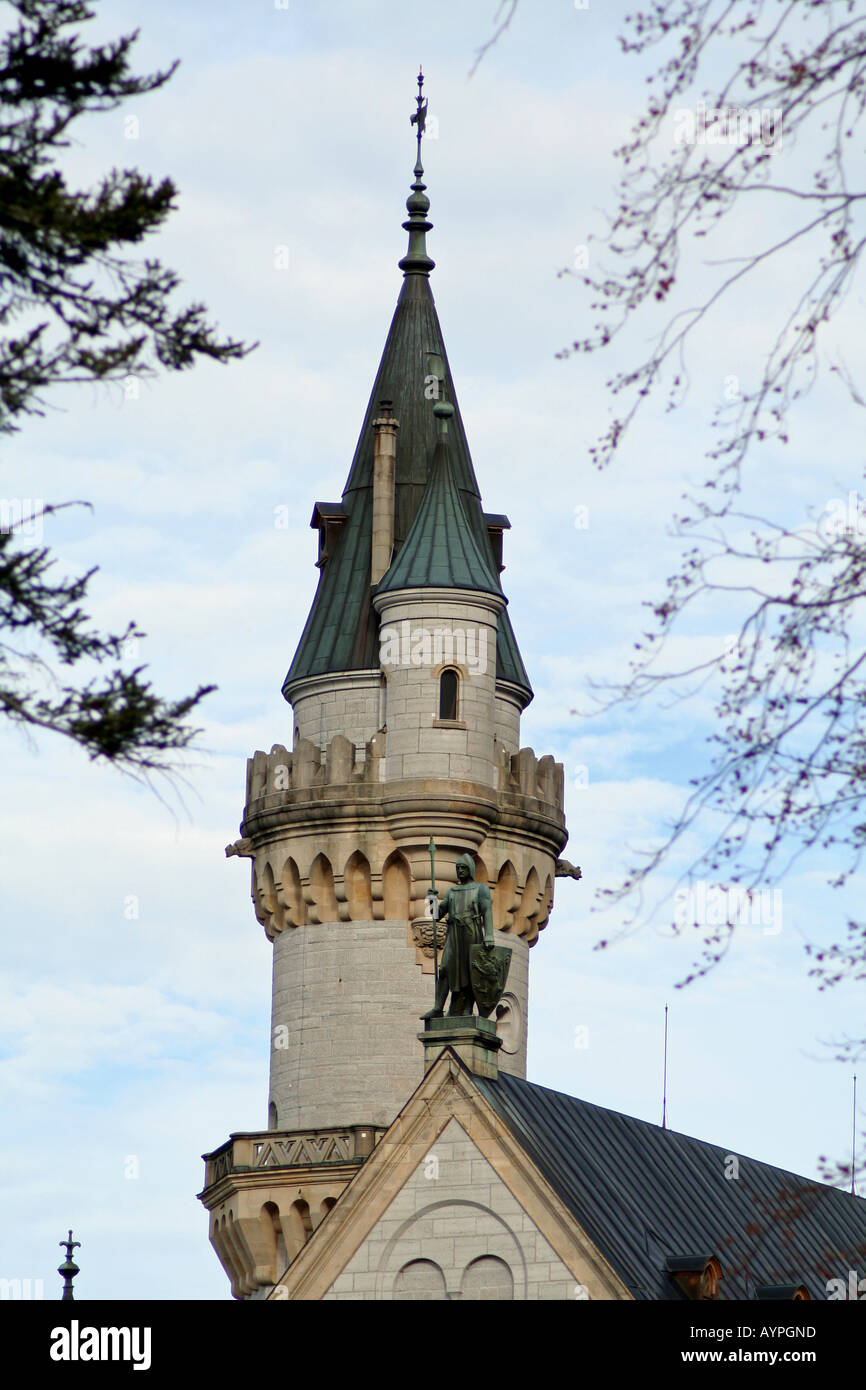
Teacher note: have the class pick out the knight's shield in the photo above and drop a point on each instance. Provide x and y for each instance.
(488, 972)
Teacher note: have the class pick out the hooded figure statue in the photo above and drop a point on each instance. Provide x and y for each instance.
(469, 910)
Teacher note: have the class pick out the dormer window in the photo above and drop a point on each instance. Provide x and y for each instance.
(328, 519)
(449, 684)
(696, 1276)
(496, 523)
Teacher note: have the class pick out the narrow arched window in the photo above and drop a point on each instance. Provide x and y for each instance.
(448, 683)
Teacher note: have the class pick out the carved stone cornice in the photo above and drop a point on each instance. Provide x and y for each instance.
(405, 810)
(325, 832)
(294, 1180)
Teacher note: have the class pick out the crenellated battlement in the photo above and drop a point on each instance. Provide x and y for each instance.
(281, 777)
(307, 767)
(331, 841)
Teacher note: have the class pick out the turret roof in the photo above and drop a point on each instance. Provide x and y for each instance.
(341, 632)
(440, 550)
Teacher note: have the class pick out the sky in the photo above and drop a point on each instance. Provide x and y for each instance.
(135, 983)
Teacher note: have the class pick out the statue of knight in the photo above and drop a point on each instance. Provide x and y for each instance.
(473, 969)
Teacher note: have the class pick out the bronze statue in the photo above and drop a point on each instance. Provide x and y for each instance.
(473, 969)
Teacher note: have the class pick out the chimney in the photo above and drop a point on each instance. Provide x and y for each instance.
(384, 466)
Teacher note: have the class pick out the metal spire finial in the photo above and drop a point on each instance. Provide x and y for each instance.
(68, 1269)
(420, 117)
(416, 261)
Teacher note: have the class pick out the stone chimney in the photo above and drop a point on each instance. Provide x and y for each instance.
(384, 466)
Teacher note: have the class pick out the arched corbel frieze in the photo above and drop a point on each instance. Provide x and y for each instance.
(542, 917)
(525, 917)
(357, 888)
(396, 888)
(266, 900)
(320, 894)
(294, 908)
(300, 1226)
(505, 897)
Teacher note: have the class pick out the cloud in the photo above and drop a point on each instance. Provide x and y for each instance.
(147, 1035)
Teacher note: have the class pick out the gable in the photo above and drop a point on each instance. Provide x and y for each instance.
(454, 1230)
(447, 1206)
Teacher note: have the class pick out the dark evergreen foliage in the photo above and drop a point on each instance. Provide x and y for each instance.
(76, 307)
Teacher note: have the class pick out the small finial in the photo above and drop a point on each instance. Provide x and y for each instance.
(420, 116)
(416, 261)
(69, 1268)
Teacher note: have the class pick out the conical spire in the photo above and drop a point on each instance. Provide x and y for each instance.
(341, 632)
(416, 261)
(440, 550)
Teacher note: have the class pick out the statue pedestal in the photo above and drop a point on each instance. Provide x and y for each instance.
(473, 1038)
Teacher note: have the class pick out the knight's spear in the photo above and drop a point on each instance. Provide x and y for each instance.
(434, 908)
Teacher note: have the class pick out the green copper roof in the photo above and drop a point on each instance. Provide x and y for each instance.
(440, 550)
(341, 632)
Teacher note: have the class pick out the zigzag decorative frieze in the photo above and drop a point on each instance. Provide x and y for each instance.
(278, 1149)
(222, 1165)
(303, 1148)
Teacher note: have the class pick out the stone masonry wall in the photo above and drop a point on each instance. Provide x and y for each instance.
(351, 705)
(507, 721)
(454, 1231)
(347, 1004)
(421, 633)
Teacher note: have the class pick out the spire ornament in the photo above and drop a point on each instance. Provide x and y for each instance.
(69, 1268)
(416, 261)
(420, 116)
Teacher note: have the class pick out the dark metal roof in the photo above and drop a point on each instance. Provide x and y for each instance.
(440, 550)
(643, 1194)
(322, 510)
(341, 633)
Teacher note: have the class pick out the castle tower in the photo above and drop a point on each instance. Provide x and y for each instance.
(406, 691)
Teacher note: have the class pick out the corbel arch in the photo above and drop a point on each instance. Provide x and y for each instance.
(294, 908)
(396, 887)
(321, 896)
(357, 887)
(505, 897)
(524, 921)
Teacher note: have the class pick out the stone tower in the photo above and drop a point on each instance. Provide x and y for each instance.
(406, 690)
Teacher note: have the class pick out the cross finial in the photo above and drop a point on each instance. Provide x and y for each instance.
(69, 1268)
(69, 1245)
(416, 261)
(420, 116)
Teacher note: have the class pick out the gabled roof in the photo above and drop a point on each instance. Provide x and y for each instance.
(341, 632)
(448, 1092)
(642, 1193)
(622, 1202)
